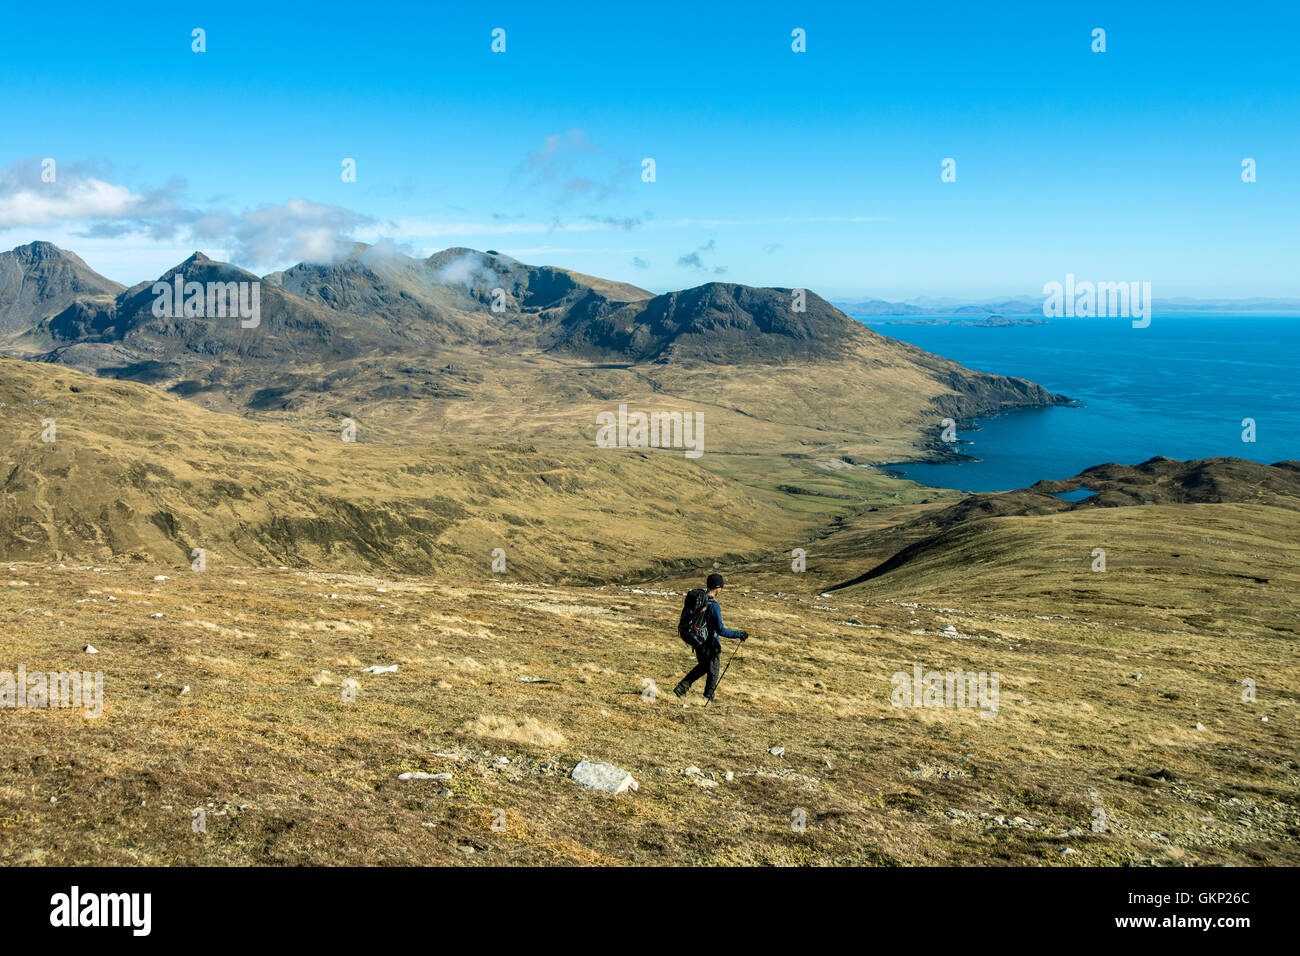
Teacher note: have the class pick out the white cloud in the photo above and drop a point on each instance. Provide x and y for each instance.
(88, 206)
(58, 201)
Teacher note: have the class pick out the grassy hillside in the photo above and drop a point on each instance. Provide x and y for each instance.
(136, 474)
(1218, 567)
(1120, 733)
(507, 686)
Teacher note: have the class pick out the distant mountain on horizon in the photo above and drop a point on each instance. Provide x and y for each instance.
(924, 306)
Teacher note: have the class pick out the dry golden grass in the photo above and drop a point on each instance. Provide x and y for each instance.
(292, 749)
(290, 772)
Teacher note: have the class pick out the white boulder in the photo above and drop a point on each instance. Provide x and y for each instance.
(603, 776)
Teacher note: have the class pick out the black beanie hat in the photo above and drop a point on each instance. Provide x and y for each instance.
(714, 581)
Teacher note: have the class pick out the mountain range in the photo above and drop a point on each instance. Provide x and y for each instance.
(410, 342)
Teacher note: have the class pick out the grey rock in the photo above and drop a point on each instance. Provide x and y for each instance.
(603, 776)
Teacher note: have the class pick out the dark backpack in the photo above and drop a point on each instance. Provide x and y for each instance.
(693, 624)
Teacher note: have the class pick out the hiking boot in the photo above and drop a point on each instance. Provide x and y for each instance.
(680, 692)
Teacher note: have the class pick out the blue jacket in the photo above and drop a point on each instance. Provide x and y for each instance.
(713, 621)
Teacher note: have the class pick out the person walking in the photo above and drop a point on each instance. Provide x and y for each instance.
(701, 627)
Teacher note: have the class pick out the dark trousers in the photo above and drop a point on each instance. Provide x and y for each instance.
(708, 658)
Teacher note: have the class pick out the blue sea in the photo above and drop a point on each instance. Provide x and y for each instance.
(1179, 388)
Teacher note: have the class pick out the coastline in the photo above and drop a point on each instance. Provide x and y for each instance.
(943, 453)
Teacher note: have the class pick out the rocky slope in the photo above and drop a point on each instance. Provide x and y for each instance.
(40, 279)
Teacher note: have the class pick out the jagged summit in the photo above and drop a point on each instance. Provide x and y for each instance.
(40, 279)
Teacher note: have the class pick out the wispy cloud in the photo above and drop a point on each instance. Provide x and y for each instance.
(34, 195)
(80, 198)
(569, 166)
(766, 221)
(431, 227)
(295, 231)
(693, 260)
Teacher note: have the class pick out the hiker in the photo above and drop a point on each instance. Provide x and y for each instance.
(700, 627)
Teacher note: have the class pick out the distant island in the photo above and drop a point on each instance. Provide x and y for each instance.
(1029, 306)
(989, 321)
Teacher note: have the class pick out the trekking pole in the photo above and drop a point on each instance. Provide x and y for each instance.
(730, 661)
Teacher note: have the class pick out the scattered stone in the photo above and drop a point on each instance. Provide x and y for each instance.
(603, 776)
(776, 751)
(444, 793)
(90, 649)
(467, 850)
(692, 770)
(421, 775)
(156, 614)
(1200, 726)
(1068, 851)
(729, 776)
(160, 577)
(379, 669)
(185, 689)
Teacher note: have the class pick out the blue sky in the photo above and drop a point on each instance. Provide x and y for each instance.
(817, 169)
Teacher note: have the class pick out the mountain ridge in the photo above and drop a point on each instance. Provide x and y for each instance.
(380, 326)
